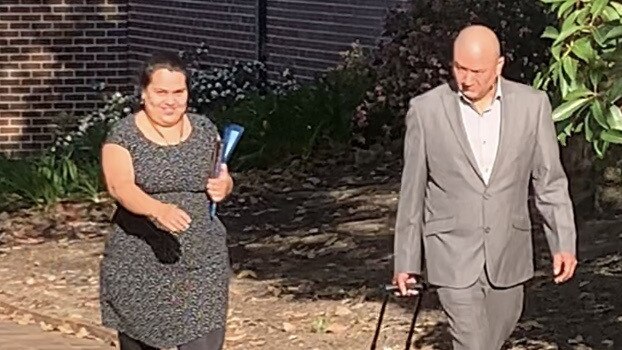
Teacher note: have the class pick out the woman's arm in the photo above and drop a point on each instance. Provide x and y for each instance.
(120, 182)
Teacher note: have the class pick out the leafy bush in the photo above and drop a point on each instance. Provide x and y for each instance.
(416, 53)
(210, 90)
(218, 88)
(84, 140)
(47, 179)
(282, 120)
(294, 124)
(585, 71)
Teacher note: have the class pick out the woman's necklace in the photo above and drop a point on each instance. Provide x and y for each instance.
(181, 130)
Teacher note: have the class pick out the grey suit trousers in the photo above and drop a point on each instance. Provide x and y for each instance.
(481, 317)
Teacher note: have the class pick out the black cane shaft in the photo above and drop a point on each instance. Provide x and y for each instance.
(411, 331)
(379, 325)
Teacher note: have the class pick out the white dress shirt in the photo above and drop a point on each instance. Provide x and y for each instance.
(483, 131)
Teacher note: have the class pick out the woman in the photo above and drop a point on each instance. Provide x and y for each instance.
(164, 274)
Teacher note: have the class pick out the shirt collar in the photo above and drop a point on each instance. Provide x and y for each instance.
(498, 93)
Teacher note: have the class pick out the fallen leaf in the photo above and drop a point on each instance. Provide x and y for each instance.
(82, 333)
(46, 327)
(336, 328)
(288, 327)
(65, 329)
(24, 319)
(246, 274)
(342, 311)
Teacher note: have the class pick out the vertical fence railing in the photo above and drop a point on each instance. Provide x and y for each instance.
(262, 34)
(262, 29)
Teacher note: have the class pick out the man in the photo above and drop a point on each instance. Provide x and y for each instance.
(470, 155)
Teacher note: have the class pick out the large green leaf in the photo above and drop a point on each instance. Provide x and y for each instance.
(556, 51)
(611, 14)
(614, 33)
(566, 33)
(600, 34)
(582, 48)
(566, 109)
(599, 114)
(570, 66)
(617, 6)
(613, 136)
(578, 92)
(614, 92)
(600, 146)
(565, 7)
(598, 6)
(564, 84)
(614, 119)
(550, 33)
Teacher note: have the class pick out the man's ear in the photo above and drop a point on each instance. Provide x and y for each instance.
(500, 63)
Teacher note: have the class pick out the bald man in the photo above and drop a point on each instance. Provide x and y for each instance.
(472, 149)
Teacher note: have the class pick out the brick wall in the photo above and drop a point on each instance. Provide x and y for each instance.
(226, 26)
(307, 35)
(51, 52)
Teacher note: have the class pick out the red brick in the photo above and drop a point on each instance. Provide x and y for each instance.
(20, 122)
(20, 138)
(9, 130)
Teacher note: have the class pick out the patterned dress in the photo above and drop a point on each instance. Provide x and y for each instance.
(165, 305)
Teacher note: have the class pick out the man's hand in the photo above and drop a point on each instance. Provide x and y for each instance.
(220, 187)
(564, 265)
(400, 279)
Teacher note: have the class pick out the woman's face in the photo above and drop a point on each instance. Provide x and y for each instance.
(166, 97)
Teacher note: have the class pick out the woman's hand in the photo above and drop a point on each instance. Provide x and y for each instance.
(170, 218)
(220, 187)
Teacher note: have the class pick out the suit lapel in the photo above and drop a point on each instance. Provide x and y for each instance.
(507, 125)
(452, 111)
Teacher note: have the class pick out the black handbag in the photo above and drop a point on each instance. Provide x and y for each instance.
(164, 245)
(389, 290)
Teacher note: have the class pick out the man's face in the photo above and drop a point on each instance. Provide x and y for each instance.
(475, 74)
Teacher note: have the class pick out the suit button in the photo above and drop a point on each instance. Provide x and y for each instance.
(486, 195)
(486, 229)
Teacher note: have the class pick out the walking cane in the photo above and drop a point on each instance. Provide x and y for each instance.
(387, 291)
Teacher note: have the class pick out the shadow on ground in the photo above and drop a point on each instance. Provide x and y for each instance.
(335, 242)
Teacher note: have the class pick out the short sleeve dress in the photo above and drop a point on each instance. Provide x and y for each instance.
(165, 305)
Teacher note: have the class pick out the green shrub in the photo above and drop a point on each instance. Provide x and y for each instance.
(282, 120)
(218, 88)
(280, 126)
(46, 179)
(210, 90)
(584, 74)
(415, 54)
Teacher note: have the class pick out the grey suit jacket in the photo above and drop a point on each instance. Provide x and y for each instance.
(447, 212)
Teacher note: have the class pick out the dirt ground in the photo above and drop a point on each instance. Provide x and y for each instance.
(310, 249)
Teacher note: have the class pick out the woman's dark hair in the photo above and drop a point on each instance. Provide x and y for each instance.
(159, 60)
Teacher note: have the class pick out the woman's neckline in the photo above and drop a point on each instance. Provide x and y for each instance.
(163, 145)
